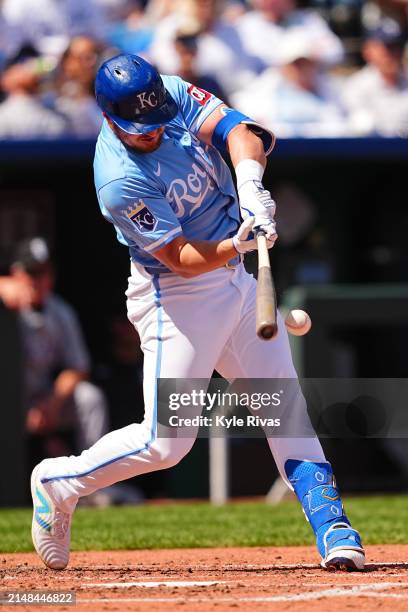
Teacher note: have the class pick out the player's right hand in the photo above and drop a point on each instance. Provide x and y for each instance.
(244, 240)
(267, 226)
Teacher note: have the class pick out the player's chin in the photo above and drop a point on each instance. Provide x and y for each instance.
(152, 146)
(148, 145)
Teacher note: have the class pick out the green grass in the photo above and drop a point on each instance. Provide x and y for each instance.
(382, 520)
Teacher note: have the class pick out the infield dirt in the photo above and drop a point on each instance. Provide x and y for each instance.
(215, 579)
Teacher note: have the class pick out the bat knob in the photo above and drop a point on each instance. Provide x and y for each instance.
(267, 332)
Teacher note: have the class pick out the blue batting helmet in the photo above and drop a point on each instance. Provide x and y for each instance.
(131, 93)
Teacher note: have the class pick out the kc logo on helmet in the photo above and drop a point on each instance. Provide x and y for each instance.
(200, 95)
(141, 216)
(147, 99)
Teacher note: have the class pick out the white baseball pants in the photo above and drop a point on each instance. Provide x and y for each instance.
(188, 328)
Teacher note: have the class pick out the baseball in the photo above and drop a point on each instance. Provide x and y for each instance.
(298, 322)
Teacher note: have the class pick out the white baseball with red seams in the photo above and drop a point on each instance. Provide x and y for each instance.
(298, 322)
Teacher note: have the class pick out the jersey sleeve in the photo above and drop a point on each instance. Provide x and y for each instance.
(142, 216)
(195, 104)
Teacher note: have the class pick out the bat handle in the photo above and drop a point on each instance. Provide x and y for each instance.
(266, 325)
(263, 254)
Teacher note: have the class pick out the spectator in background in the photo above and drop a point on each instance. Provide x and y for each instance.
(220, 52)
(263, 30)
(299, 99)
(57, 393)
(10, 39)
(50, 24)
(131, 33)
(377, 95)
(374, 12)
(74, 97)
(22, 114)
(159, 9)
(186, 49)
(233, 10)
(111, 9)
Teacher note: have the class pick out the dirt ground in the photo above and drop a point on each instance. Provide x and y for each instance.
(214, 579)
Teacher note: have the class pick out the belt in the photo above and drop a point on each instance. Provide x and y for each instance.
(155, 271)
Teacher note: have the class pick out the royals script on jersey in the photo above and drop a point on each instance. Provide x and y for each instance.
(184, 187)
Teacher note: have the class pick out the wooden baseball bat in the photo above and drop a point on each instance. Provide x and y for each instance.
(266, 325)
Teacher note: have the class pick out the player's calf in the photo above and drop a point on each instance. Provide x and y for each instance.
(338, 543)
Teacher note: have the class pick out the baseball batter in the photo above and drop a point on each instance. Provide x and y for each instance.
(161, 181)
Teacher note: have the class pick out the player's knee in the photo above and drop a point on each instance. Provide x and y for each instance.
(171, 453)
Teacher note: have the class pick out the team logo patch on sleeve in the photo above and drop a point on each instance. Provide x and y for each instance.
(200, 95)
(141, 216)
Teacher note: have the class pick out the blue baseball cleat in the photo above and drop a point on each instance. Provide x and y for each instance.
(338, 543)
(341, 548)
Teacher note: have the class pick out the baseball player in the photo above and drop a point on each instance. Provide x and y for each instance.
(162, 182)
(57, 395)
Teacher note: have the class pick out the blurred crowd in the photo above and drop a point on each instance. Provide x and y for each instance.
(325, 68)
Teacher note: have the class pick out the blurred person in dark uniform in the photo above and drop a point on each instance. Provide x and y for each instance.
(57, 393)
